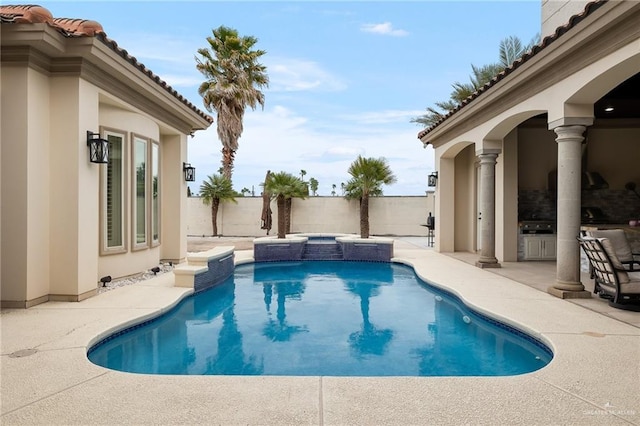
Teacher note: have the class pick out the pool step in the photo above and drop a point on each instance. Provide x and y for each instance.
(324, 250)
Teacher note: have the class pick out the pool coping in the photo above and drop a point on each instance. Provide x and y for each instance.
(591, 380)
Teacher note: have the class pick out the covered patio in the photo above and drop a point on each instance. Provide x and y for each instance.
(535, 142)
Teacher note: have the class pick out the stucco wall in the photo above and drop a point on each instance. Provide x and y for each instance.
(387, 216)
(610, 148)
(613, 149)
(465, 200)
(556, 13)
(537, 156)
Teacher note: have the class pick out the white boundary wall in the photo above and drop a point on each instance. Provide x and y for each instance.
(402, 216)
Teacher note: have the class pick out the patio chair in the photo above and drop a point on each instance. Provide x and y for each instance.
(612, 280)
(621, 246)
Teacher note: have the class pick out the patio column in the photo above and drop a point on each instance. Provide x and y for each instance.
(488, 159)
(568, 285)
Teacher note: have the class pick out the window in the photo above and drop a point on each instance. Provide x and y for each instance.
(140, 192)
(155, 194)
(112, 195)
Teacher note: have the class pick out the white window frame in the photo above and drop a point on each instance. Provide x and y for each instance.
(155, 205)
(105, 249)
(136, 204)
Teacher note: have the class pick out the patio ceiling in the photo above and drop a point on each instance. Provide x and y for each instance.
(625, 100)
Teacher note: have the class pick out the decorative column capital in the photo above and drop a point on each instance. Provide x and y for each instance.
(488, 156)
(488, 151)
(570, 133)
(571, 121)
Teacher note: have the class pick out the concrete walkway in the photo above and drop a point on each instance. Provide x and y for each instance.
(594, 377)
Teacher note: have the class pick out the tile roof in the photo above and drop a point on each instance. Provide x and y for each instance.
(34, 14)
(573, 21)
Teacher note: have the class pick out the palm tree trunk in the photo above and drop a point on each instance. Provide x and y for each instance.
(228, 156)
(287, 218)
(364, 217)
(281, 216)
(215, 203)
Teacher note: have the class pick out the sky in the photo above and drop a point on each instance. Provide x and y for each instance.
(345, 77)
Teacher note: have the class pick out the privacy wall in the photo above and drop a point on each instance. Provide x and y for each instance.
(402, 216)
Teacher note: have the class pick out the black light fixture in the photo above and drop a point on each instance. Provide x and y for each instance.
(155, 270)
(432, 179)
(189, 172)
(105, 280)
(98, 148)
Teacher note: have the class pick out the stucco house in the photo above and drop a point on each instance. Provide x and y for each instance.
(67, 221)
(552, 143)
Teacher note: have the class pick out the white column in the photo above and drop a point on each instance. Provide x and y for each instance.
(569, 139)
(488, 159)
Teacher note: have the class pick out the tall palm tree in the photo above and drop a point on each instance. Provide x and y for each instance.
(510, 49)
(215, 189)
(367, 177)
(313, 185)
(234, 78)
(283, 186)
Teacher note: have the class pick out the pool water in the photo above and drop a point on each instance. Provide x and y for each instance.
(322, 318)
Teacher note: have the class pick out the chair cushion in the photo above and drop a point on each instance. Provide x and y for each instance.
(632, 287)
(623, 277)
(618, 240)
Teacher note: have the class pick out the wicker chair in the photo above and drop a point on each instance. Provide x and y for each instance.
(612, 280)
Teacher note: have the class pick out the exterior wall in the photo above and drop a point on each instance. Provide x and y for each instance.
(387, 216)
(51, 203)
(556, 13)
(507, 199)
(74, 222)
(55, 88)
(132, 261)
(465, 200)
(612, 148)
(173, 198)
(538, 155)
(14, 180)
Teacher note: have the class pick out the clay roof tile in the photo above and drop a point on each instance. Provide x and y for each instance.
(33, 14)
(546, 41)
(78, 27)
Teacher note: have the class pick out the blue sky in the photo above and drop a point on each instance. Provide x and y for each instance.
(345, 77)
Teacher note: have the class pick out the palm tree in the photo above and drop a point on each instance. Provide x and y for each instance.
(299, 190)
(367, 177)
(303, 172)
(510, 49)
(213, 190)
(234, 78)
(283, 186)
(313, 185)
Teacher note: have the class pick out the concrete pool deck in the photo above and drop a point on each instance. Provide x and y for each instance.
(594, 377)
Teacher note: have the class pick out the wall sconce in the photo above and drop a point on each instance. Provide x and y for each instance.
(189, 172)
(98, 148)
(432, 179)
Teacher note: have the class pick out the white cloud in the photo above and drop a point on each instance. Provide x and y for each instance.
(279, 139)
(386, 28)
(387, 116)
(294, 75)
(182, 80)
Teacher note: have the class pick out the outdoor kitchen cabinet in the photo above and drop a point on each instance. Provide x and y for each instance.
(540, 247)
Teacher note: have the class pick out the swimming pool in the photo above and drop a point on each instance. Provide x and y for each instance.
(322, 318)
